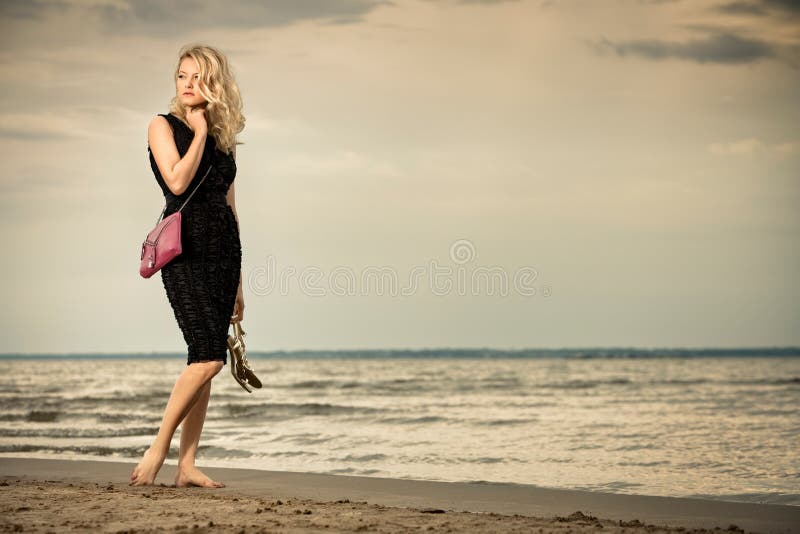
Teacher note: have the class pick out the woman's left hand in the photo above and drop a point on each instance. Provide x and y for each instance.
(238, 306)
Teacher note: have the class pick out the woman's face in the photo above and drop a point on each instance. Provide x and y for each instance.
(187, 82)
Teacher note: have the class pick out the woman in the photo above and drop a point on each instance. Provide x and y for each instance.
(204, 282)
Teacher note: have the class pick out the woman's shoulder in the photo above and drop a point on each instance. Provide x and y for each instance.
(165, 125)
(175, 123)
(162, 118)
(159, 122)
(169, 117)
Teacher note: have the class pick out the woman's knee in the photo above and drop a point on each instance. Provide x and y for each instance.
(216, 366)
(210, 368)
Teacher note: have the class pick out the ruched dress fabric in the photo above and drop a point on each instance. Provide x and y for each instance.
(202, 281)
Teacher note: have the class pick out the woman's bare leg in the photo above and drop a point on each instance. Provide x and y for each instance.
(191, 428)
(185, 394)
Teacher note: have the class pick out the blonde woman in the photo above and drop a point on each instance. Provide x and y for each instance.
(204, 283)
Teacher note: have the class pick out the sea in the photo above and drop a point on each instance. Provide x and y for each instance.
(718, 424)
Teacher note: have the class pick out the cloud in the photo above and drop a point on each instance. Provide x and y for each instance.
(751, 146)
(71, 123)
(155, 17)
(30, 9)
(485, 1)
(742, 8)
(761, 7)
(30, 134)
(763, 30)
(789, 147)
(35, 179)
(746, 147)
(335, 164)
(36, 127)
(723, 47)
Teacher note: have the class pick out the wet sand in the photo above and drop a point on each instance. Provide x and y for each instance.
(38, 495)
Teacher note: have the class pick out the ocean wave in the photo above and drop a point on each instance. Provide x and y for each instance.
(206, 451)
(72, 432)
(422, 419)
(271, 410)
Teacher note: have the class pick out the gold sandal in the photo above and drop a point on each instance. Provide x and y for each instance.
(240, 367)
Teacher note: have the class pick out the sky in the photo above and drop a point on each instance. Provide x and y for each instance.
(418, 174)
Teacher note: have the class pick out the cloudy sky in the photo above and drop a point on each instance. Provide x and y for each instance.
(418, 173)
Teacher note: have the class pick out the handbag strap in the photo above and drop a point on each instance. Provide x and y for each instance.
(189, 197)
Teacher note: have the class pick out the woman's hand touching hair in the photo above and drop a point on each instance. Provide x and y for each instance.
(196, 117)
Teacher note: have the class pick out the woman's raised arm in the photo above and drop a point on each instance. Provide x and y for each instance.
(176, 171)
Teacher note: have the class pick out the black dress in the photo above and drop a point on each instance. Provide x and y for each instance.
(202, 281)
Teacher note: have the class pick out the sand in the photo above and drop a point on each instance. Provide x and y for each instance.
(38, 495)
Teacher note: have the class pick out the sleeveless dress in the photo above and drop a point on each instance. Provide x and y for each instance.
(202, 281)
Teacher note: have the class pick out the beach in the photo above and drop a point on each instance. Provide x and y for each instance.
(51, 495)
(392, 445)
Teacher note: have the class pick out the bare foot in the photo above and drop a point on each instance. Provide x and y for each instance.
(192, 476)
(145, 473)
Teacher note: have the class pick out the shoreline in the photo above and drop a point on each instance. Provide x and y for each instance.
(382, 502)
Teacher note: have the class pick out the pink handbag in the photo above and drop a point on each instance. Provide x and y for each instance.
(163, 242)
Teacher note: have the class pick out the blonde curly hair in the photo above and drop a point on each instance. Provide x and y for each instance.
(218, 86)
